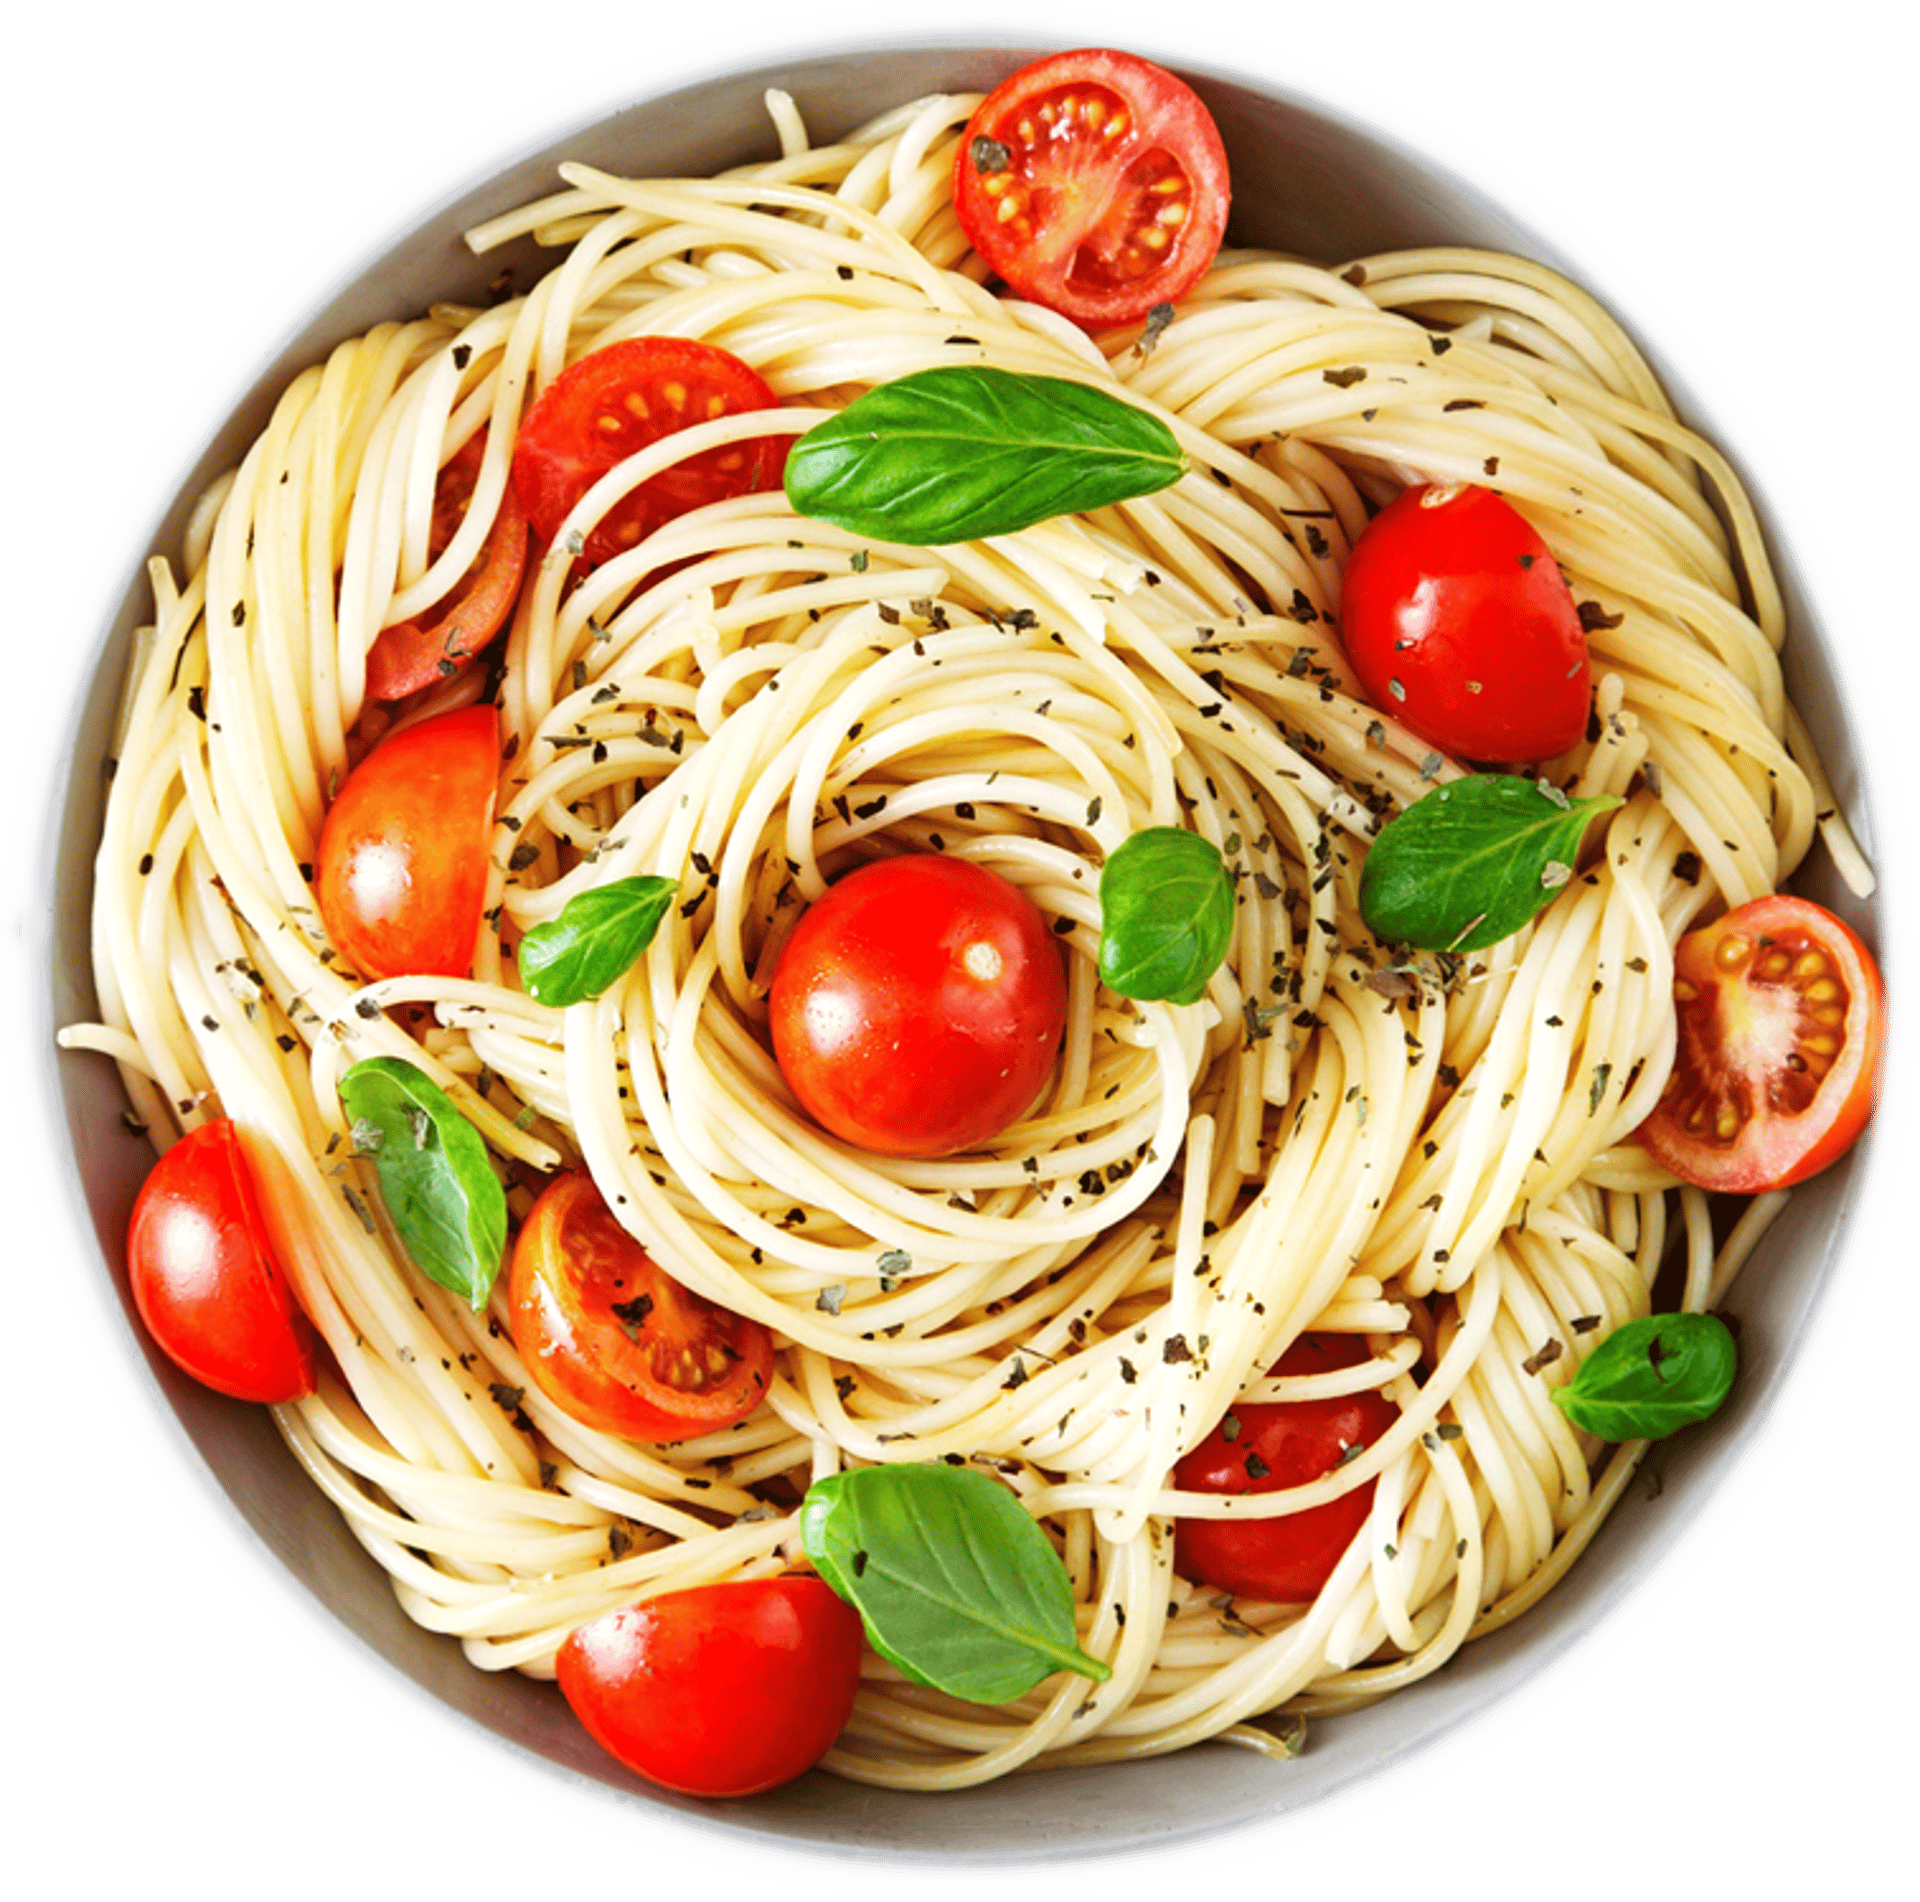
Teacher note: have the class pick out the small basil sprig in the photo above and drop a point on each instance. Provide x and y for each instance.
(1651, 1377)
(954, 1581)
(953, 454)
(594, 941)
(441, 1194)
(1166, 915)
(1472, 861)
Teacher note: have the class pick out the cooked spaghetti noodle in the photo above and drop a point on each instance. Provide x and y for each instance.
(1435, 1155)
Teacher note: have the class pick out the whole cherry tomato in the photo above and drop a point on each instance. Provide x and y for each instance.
(1460, 624)
(613, 1340)
(1094, 183)
(1265, 1448)
(918, 1006)
(720, 1690)
(616, 401)
(205, 1280)
(419, 653)
(401, 873)
(1782, 1019)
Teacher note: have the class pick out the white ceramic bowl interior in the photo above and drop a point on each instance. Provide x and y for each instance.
(1323, 167)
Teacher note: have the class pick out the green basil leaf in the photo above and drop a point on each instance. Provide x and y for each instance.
(594, 941)
(1470, 862)
(1651, 1377)
(1166, 915)
(953, 454)
(955, 1582)
(445, 1202)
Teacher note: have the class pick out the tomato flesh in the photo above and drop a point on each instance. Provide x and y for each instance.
(1274, 1446)
(613, 1340)
(1781, 1013)
(1094, 183)
(616, 401)
(204, 1278)
(401, 873)
(919, 1005)
(719, 1690)
(1460, 624)
(420, 653)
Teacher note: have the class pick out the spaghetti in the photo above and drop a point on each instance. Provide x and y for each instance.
(1434, 1155)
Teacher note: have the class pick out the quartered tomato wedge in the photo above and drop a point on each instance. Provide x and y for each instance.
(613, 1340)
(401, 872)
(1264, 1448)
(415, 654)
(1782, 1019)
(718, 1690)
(204, 1278)
(1094, 183)
(616, 401)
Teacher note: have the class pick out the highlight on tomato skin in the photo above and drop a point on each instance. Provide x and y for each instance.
(204, 1278)
(613, 1340)
(719, 1690)
(1460, 625)
(1269, 1446)
(918, 1007)
(400, 875)
(1094, 183)
(1781, 1015)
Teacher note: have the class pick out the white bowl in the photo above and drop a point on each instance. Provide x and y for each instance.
(1321, 166)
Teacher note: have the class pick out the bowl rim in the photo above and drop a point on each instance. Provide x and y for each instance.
(194, 1486)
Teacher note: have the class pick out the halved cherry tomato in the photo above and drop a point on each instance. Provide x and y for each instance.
(401, 873)
(613, 1340)
(415, 654)
(613, 403)
(1460, 624)
(1782, 1027)
(204, 1279)
(1273, 1446)
(719, 1690)
(918, 1006)
(1094, 183)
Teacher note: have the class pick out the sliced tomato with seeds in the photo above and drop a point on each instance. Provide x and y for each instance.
(613, 1340)
(1094, 183)
(437, 644)
(618, 400)
(1782, 1025)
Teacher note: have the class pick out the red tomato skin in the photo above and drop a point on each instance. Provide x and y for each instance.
(919, 1005)
(573, 1267)
(1735, 1036)
(421, 653)
(401, 872)
(1086, 192)
(719, 1690)
(614, 402)
(204, 1280)
(1459, 623)
(1284, 1560)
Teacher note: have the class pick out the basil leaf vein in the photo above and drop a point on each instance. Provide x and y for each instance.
(955, 1583)
(1166, 915)
(594, 941)
(1652, 1377)
(965, 451)
(1472, 861)
(440, 1191)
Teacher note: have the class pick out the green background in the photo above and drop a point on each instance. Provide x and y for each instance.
(1752, 164)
